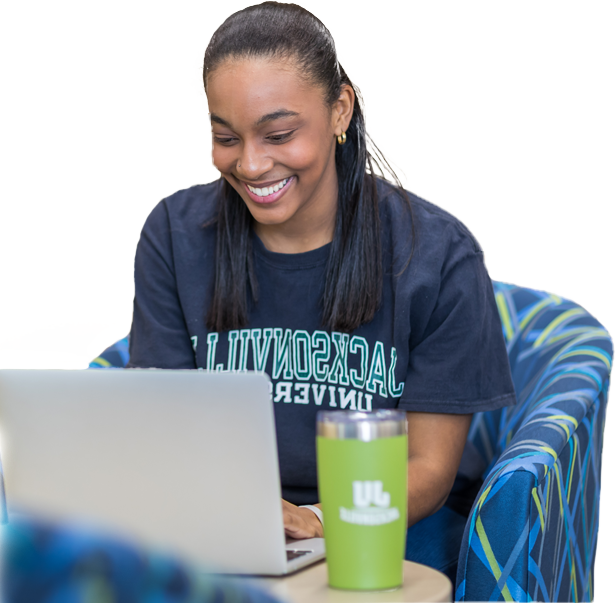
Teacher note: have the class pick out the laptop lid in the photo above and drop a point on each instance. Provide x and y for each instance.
(185, 461)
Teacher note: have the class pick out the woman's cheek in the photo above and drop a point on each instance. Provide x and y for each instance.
(222, 159)
(300, 156)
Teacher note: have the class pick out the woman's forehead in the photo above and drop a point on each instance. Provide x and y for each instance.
(241, 65)
(243, 91)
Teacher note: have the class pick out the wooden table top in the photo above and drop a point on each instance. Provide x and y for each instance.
(421, 583)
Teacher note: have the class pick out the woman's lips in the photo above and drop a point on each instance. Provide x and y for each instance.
(269, 198)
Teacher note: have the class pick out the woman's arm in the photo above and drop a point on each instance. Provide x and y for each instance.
(436, 443)
(158, 337)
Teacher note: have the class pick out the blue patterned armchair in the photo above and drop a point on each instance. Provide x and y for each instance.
(532, 531)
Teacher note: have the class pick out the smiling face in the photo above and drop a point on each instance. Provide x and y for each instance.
(274, 142)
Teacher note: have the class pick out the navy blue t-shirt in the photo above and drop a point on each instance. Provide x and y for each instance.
(434, 345)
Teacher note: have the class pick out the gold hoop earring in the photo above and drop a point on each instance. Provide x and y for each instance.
(342, 138)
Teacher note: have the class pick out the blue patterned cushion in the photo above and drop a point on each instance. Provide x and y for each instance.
(51, 564)
(532, 532)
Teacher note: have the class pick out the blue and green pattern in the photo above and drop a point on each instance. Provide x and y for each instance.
(45, 563)
(532, 532)
(115, 356)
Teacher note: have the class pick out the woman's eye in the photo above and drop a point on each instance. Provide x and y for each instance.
(276, 138)
(224, 139)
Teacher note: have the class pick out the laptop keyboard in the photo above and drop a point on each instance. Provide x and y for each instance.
(295, 554)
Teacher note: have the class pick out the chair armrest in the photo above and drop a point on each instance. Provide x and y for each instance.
(532, 531)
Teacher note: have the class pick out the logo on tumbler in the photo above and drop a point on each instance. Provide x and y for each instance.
(370, 505)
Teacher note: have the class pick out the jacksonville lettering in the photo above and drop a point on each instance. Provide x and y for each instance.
(333, 370)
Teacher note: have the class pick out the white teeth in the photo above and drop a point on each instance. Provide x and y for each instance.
(263, 192)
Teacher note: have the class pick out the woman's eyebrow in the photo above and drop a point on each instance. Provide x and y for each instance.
(275, 115)
(219, 120)
(265, 118)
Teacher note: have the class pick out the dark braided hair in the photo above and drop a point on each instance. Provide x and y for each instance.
(354, 274)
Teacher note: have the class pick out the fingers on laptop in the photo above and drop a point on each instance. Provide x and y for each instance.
(300, 522)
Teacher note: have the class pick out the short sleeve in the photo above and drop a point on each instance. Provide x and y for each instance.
(159, 337)
(460, 364)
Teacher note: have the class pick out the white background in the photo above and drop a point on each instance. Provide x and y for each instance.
(501, 113)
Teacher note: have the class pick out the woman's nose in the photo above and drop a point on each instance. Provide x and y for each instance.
(253, 162)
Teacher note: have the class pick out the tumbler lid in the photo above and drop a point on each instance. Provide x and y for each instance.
(358, 425)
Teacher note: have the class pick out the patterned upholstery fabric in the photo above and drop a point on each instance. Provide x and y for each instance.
(532, 532)
(51, 564)
(115, 356)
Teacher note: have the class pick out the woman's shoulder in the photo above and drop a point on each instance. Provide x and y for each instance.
(196, 204)
(185, 211)
(433, 230)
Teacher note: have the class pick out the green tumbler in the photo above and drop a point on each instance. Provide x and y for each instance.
(362, 471)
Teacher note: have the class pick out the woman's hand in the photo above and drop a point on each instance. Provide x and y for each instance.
(300, 522)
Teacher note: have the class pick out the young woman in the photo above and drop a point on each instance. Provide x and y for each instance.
(348, 291)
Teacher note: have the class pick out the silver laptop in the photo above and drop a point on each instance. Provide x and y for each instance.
(182, 461)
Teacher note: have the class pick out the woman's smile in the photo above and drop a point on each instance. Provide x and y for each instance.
(268, 192)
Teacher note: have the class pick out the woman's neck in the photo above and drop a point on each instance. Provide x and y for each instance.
(283, 239)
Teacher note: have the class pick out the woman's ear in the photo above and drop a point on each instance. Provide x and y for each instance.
(343, 110)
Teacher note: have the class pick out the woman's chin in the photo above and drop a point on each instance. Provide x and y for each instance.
(266, 219)
(270, 214)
